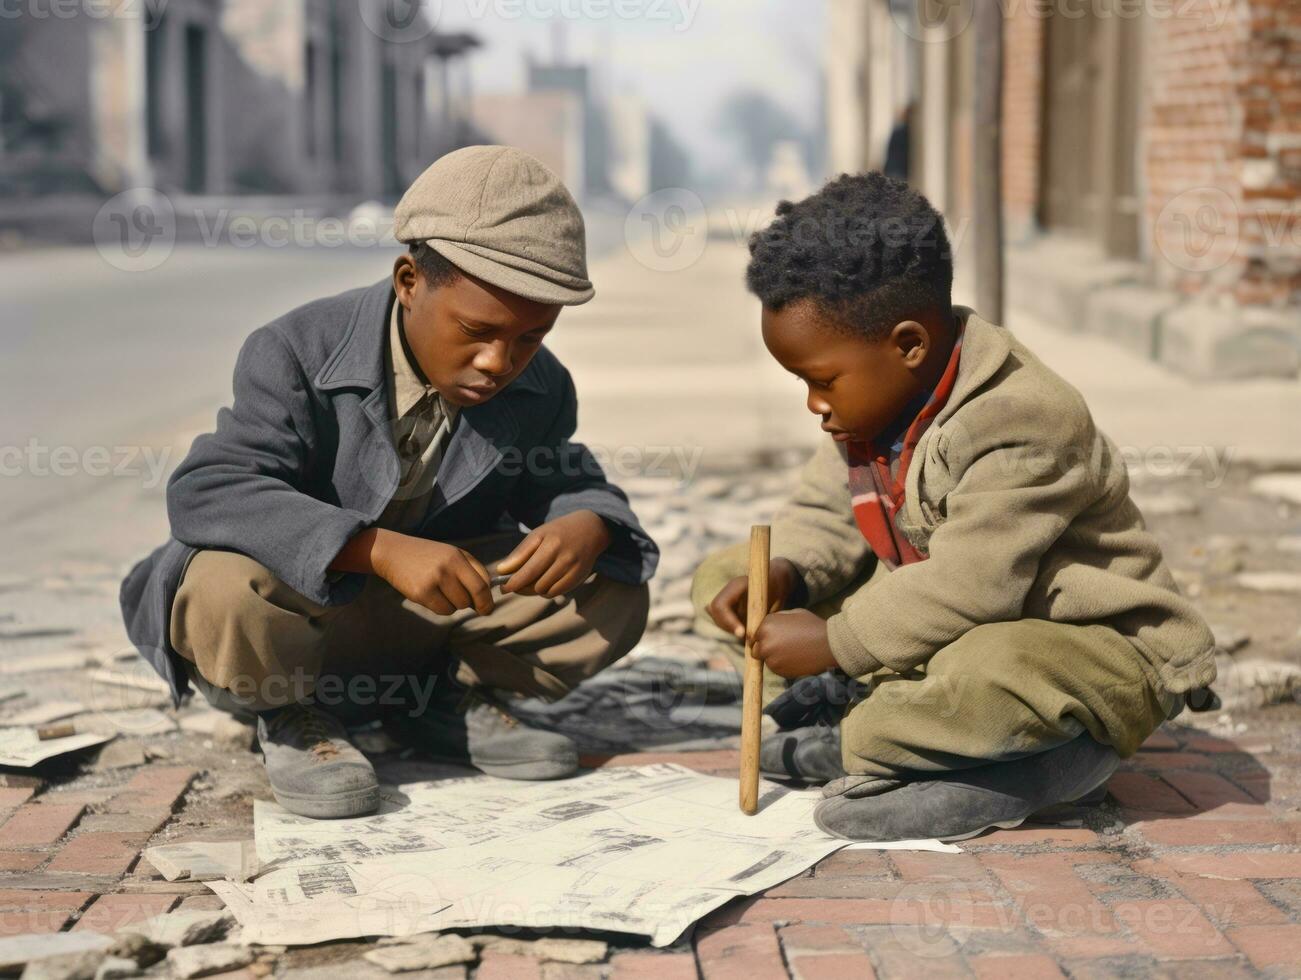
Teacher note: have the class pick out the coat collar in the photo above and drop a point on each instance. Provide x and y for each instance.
(985, 348)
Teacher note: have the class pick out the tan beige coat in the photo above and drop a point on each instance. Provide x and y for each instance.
(1023, 507)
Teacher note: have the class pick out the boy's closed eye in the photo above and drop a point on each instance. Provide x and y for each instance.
(486, 333)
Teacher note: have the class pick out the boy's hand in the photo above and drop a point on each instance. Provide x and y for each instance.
(556, 556)
(728, 609)
(794, 644)
(439, 576)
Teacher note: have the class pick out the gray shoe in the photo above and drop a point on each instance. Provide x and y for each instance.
(810, 754)
(961, 804)
(314, 770)
(467, 727)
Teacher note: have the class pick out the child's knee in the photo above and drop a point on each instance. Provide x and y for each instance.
(224, 586)
(240, 625)
(628, 617)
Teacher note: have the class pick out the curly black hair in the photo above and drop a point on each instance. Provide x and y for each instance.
(869, 250)
(437, 270)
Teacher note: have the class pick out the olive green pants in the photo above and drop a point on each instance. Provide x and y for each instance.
(243, 631)
(1001, 691)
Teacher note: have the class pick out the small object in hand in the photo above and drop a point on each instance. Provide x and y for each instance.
(497, 581)
(61, 730)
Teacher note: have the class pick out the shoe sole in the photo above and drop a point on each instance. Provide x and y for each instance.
(946, 839)
(1000, 825)
(1092, 797)
(531, 771)
(954, 838)
(354, 803)
(1098, 791)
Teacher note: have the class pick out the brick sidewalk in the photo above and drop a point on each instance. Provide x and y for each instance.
(1194, 869)
(1199, 874)
(65, 854)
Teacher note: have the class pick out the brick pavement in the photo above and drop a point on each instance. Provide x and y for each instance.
(56, 873)
(1193, 869)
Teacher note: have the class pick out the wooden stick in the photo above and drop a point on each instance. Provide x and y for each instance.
(752, 697)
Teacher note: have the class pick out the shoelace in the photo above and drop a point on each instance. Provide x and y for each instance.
(311, 726)
(472, 699)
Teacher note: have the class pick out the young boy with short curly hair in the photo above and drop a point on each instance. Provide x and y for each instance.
(963, 539)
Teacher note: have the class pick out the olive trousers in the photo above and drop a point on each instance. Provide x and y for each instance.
(252, 640)
(1000, 691)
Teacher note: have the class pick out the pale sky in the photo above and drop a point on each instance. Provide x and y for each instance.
(684, 57)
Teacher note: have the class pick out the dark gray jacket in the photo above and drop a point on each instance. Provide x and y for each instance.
(304, 460)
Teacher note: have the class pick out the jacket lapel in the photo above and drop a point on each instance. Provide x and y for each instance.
(358, 361)
(481, 435)
(480, 439)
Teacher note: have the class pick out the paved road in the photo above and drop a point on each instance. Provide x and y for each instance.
(97, 357)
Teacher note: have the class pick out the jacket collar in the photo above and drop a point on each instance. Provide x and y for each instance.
(985, 348)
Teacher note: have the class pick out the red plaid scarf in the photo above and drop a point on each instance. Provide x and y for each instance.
(877, 479)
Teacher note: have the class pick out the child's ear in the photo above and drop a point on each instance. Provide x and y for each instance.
(912, 342)
(405, 275)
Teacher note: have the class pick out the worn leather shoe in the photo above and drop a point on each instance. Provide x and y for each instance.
(960, 804)
(314, 770)
(810, 754)
(468, 727)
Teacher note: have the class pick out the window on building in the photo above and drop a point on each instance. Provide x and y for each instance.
(389, 128)
(196, 108)
(336, 96)
(155, 40)
(311, 129)
(1090, 122)
(418, 107)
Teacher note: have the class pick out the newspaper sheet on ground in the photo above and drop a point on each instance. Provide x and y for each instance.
(644, 850)
(22, 748)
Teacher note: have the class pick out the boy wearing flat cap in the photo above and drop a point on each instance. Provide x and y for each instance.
(333, 541)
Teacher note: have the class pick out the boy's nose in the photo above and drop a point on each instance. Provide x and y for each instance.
(495, 360)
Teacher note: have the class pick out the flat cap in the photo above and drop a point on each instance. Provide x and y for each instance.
(500, 215)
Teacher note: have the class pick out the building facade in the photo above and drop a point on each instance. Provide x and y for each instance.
(1151, 164)
(217, 97)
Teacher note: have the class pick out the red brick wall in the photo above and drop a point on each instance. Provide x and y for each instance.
(1023, 38)
(1223, 136)
(1270, 89)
